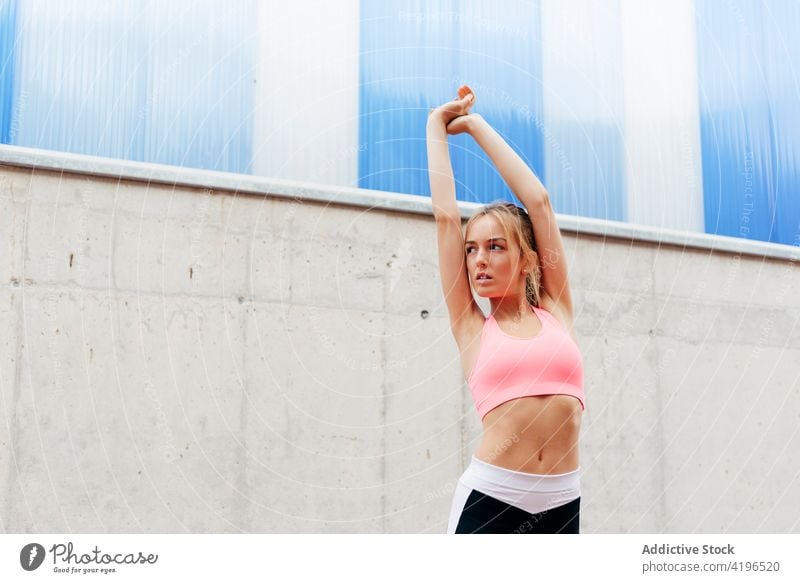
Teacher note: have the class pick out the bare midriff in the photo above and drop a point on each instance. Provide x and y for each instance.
(536, 435)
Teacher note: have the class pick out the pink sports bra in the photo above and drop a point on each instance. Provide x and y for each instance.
(509, 367)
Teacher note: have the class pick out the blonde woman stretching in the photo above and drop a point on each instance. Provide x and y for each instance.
(522, 362)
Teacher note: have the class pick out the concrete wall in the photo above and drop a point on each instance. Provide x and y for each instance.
(201, 359)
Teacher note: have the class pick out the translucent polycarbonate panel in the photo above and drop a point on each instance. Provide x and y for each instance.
(748, 56)
(414, 56)
(782, 58)
(306, 95)
(500, 58)
(80, 77)
(201, 83)
(662, 125)
(7, 37)
(167, 82)
(584, 118)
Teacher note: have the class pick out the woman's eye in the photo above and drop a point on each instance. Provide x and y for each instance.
(491, 246)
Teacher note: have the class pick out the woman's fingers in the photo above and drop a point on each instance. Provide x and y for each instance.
(467, 98)
(465, 91)
(459, 106)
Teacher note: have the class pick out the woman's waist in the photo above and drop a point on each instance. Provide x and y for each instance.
(533, 439)
(554, 399)
(520, 455)
(540, 418)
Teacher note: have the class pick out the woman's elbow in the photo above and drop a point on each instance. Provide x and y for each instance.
(537, 199)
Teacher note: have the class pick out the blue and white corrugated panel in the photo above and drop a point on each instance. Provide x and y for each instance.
(673, 113)
(306, 109)
(664, 185)
(748, 58)
(583, 115)
(153, 81)
(8, 27)
(414, 57)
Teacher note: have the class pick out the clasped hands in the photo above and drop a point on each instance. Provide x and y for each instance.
(455, 114)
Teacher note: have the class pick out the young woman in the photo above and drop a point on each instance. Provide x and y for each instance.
(522, 362)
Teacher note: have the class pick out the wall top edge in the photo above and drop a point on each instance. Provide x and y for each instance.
(374, 199)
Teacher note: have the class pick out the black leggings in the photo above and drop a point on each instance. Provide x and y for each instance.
(483, 514)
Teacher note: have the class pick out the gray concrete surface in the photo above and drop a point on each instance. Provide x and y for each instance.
(180, 352)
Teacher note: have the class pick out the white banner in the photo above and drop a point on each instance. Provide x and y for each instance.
(390, 557)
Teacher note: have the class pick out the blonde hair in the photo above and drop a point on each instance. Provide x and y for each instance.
(517, 226)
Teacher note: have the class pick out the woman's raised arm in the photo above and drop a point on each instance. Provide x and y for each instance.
(440, 170)
(528, 188)
(461, 306)
(525, 185)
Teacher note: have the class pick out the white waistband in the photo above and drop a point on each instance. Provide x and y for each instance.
(532, 492)
(482, 475)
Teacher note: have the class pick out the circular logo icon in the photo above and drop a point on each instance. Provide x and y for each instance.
(31, 556)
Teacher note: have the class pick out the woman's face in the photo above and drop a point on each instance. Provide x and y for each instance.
(489, 251)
